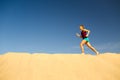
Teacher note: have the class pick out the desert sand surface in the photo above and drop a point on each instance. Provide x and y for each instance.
(43, 66)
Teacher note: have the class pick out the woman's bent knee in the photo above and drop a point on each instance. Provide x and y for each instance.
(81, 44)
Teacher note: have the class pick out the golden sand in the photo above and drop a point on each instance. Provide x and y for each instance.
(42, 66)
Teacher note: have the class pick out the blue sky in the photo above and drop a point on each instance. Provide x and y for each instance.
(49, 26)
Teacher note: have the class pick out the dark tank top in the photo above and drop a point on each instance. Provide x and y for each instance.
(83, 34)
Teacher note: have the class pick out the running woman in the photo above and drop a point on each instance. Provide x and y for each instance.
(84, 35)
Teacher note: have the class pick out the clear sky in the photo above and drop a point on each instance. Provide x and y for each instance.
(49, 26)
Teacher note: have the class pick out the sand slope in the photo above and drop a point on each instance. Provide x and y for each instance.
(25, 66)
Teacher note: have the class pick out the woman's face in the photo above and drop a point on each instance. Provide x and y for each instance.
(81, 28)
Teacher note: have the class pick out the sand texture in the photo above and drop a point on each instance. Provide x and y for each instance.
(42, 66)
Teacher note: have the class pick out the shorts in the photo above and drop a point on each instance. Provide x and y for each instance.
(87, 39)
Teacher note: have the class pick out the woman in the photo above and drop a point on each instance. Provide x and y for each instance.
(84, 35)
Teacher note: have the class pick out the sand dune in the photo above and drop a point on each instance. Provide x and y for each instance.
(41, 66)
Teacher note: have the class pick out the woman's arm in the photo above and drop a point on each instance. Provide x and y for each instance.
(78, 35)
(88, 32)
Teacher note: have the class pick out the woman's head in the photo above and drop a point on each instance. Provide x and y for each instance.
(82, 27)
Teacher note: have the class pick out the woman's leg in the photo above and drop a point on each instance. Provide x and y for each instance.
(92, 48)
(82, 44)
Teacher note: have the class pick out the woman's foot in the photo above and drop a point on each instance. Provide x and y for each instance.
(82, 53)
(97, 53)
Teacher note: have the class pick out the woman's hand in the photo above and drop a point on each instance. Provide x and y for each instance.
(78, 35)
